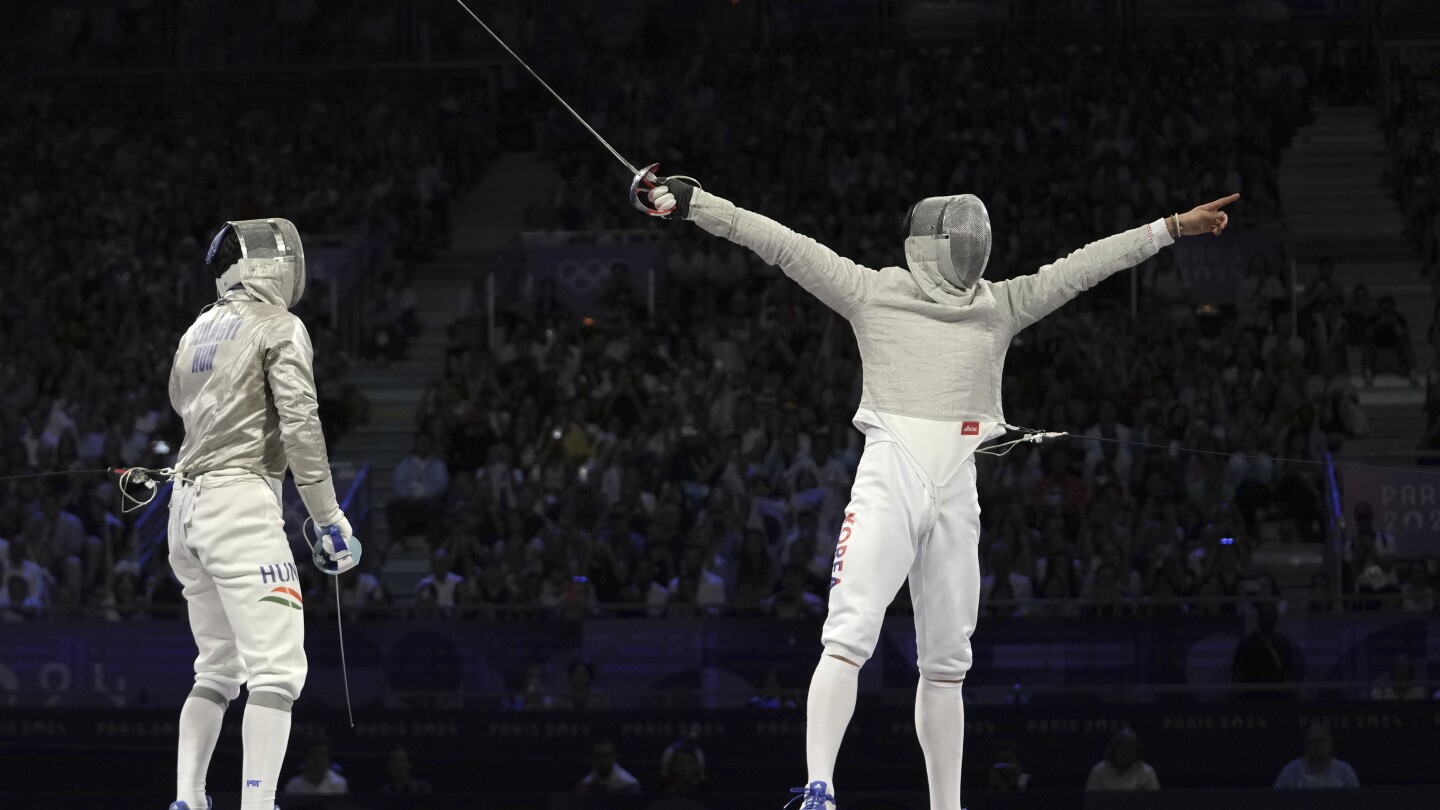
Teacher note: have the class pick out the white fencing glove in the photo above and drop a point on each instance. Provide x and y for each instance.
(673, 196)
(336, 549)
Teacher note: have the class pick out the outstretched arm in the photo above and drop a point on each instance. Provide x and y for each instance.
(837, 281)
(1032, 297)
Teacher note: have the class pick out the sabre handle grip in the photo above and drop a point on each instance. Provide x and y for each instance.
(662, 196)
(336, 548)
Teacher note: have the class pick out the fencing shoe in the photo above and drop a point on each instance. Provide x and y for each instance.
(815, 796)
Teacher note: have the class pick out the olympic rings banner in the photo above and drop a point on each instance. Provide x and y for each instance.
(584, 267)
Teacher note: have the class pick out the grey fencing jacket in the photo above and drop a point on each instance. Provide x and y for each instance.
(927, 350)
(243, 382)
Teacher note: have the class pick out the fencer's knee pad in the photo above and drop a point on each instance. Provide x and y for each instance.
(270, 700)
(204, 692)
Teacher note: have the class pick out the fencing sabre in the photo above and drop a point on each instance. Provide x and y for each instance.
(638, 177)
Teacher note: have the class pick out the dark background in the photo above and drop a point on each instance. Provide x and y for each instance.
(606, 392)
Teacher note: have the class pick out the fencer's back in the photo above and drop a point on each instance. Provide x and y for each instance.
(218, 386)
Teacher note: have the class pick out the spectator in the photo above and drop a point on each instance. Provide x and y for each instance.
(606, 775)
(33, 597)
(1386, 346)
(1360, 314)
(1419, 595)
(803, 547)
(1003, 583)
(1318, 768)
(421, 481)
(1320, 593)
(401, 781)
(794, 601)
(1122, 768)
(127, 601)
(58, 539)
(1377, 577)
(1060, 489)
(582, 695)
(1329, 339)
(321, 776)
(1261, 292)
(755, 577)
(441, 583)
(362, 593)
(1007, 775)
(535, 694)
(709, 586)
(1366, 542)
(1222, 577)
(772, 693)
(1320, 291)
(1400, 683)
(1266, 657)
(1115, 455)
(16, 601)
(645, 590)
(682, 769)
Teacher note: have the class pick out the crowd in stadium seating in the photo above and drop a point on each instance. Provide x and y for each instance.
(1411, 127)
(701, 460)
(109, 205)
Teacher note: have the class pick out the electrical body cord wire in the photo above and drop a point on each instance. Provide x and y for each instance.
(1036, 436)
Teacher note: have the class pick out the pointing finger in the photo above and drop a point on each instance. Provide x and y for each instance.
(1220, 203)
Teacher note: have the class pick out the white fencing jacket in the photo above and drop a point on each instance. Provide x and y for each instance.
(929, 352)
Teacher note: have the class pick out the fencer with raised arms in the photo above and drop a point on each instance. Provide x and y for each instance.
(932, 341)
(243, 383)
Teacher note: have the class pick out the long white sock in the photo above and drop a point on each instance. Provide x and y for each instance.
(266, 732)
(828, 709)
(200, 721)
(940, 724)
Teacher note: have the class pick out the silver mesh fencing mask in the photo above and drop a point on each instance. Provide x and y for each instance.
(962, 221)
(271, 255)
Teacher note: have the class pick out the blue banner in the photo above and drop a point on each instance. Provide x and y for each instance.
(714, 663)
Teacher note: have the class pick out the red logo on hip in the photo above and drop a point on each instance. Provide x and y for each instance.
(969, 428)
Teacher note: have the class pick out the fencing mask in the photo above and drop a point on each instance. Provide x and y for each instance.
(954, 232)
(265, 255)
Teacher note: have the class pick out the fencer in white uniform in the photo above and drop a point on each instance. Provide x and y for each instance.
(932, 343)
(242, 381)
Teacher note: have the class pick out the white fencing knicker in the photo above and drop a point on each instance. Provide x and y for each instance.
(229, 551)
(902, 523)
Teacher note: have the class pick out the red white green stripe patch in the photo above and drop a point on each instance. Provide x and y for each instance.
(289, 597)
